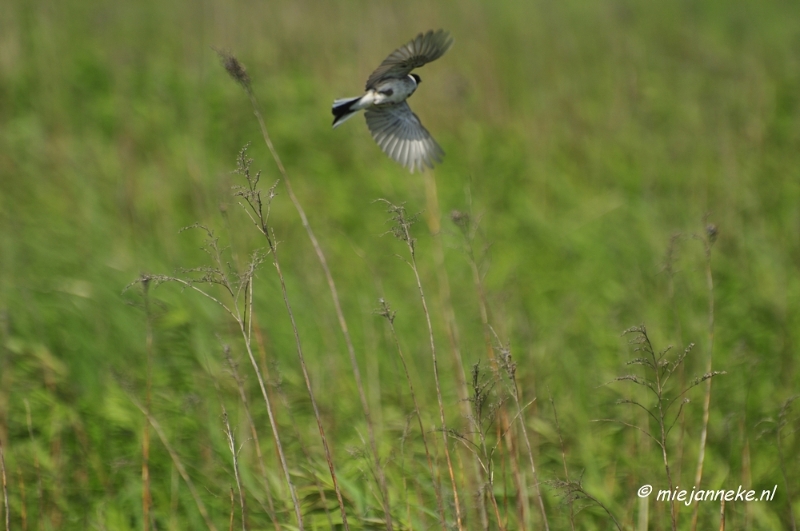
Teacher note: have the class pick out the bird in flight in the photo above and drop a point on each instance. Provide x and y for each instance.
(393, 125)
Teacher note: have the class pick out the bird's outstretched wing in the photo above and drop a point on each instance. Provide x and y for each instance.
(399, 133)
(423, 49)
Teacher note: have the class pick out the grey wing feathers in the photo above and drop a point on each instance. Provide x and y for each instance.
(423, 49)
(399, 133)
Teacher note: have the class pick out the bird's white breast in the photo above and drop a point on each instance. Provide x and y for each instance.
(394, 90)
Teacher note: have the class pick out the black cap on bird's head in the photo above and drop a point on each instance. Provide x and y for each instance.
(416, 78)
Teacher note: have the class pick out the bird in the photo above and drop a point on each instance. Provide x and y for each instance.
(396, 129)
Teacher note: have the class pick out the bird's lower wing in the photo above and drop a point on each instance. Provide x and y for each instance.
(399, 133)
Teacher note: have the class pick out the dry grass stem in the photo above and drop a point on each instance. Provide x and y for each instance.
(7, 510)
(255, 206)
(237, 71)
(510, 368)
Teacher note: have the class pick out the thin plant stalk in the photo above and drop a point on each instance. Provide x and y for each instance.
(178, 463)
(433, 220)
(708, 243)
(252, 196)
(481, 391)
(217, 276)
(386, 312)
(274, 426)
(662, 370)
(511, 369)
(287, 404)
(235, 455)
(788, 486)
(563, 461)
(5, 488)
(237, 71)
(468, 230)
(36, 467)
(23, 510)
(147, 500)
(254, 434)
(233, 509)
(401, 231)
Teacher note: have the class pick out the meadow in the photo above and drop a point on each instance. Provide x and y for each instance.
(597, 290)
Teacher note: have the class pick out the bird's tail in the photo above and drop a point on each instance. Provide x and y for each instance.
(344, 108)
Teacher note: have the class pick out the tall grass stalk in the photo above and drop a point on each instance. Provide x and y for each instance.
(563, 460)
(270, 509)
(510, 368)
(662, 370)
(386, 311)
(36, 465)
(6, 508)
(231, 439)
(401, 230)
(484, 456)
(707, 242)
(433, 219)
(251, 195)
(669, 268)
(468, 227)
(147, 500)
(237, 71)
(242, 313)
(782, 421)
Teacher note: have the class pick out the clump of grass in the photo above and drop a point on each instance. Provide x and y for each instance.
(401, 229)
(201, 508)
(776, 428)
(564, 463)
(658, 370)
(574, 491)
(468, 226)
(259, 210)
(238, 73)
(509, 367)
(386, 312)
(270, 509)
(237, 300)
(483, 417)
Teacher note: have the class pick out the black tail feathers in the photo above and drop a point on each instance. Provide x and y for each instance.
(343, 109)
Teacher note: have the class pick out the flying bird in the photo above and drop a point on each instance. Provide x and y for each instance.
(393, 125)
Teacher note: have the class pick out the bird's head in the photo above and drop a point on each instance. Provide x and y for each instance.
(417, 79)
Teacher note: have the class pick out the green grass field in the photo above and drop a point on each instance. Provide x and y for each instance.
(610, 165)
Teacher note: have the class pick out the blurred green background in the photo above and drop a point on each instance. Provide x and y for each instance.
(585, 137)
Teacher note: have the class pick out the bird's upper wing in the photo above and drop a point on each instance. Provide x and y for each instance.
(423, 49)
(399, 133)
